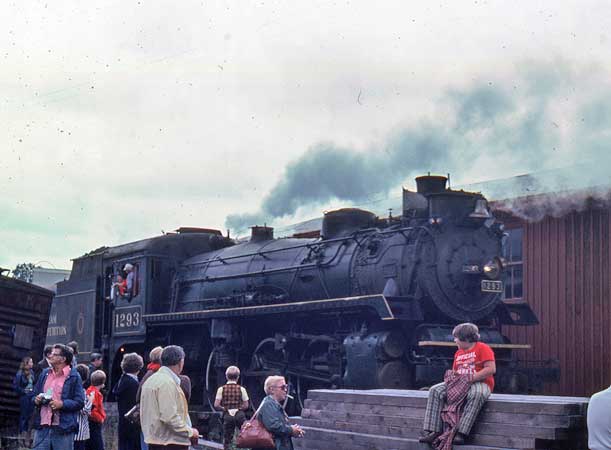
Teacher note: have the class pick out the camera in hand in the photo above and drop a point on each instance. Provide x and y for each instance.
(45, 398)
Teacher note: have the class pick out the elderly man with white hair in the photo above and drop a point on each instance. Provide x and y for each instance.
(232, 399)
(273, 417)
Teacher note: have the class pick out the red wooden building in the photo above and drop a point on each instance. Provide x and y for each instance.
(558, 262)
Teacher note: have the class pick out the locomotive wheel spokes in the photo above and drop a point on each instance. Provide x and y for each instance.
(316, 347)
(211, 381)
(302, 386)
(266, 360)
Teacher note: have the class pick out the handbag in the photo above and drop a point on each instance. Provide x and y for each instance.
(253, 434)
(133, 415)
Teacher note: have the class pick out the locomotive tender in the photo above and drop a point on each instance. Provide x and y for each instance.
(370, 303)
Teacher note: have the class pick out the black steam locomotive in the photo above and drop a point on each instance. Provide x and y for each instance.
(370, 303)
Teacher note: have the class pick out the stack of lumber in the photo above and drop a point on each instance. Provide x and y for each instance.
(392, 419)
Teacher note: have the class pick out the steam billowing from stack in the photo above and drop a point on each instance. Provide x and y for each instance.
(541, 117)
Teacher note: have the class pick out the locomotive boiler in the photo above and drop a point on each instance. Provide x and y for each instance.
(370, 303)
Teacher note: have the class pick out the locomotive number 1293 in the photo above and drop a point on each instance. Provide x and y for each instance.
(127, 319)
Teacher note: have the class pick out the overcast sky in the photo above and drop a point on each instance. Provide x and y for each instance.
(124, 118)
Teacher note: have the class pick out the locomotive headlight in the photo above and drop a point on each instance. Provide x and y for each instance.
(492, 269)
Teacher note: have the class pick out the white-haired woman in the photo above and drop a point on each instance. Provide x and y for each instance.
(274, 418)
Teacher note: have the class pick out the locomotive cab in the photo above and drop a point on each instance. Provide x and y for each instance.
(92, 311)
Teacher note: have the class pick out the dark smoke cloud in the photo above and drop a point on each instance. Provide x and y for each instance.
(540, 116)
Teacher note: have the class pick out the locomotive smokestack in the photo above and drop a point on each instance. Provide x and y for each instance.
(431, 184)
(263, 233)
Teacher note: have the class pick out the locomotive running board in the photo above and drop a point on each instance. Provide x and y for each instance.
(376, 302)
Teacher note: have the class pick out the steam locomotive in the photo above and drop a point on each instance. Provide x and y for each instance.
(370, 303)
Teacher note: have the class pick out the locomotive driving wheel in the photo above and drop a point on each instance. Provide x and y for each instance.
(316, 357)
(211, 380)
(267, 359)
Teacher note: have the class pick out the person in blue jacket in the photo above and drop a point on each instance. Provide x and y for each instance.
(273, 417)
(24, 386)
(59, 397)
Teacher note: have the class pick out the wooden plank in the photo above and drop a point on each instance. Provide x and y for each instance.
(493, 407)
(203, 444)
(417, 399)
(424, 394)
(412, 429)
(322, 439)
(363, 436)
(452, 344)
(309, 443)
(558, 421)
(482, 425)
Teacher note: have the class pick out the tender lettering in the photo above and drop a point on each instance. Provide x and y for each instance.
(57, 331)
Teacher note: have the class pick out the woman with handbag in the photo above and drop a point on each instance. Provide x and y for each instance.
(271, 414)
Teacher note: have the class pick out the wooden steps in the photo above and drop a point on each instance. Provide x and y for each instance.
(388, 419)
(320, 438)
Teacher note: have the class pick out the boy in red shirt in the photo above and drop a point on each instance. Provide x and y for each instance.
(98, 415)
(474, 360)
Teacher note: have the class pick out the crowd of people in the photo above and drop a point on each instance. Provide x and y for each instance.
(65, 401)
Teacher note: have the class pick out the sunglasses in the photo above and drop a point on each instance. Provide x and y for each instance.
(284, 387)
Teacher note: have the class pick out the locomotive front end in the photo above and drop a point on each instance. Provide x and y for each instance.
(462, 268)
(460, 278)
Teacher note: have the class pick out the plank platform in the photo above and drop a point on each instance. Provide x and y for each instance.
(392, 419)
(203, 444)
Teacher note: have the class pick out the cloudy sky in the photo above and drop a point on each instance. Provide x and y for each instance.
(121, 119)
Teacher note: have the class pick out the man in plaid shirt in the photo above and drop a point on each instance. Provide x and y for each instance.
(475, 361)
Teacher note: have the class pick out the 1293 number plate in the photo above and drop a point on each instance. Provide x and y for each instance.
(127, 319)
(492, 286)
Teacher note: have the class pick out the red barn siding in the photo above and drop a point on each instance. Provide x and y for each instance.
(567, 283)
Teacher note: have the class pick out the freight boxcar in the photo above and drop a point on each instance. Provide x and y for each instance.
(24, 314)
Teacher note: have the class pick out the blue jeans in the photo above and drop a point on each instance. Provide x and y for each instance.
(143, 445)
(26, 408)
(52, 438)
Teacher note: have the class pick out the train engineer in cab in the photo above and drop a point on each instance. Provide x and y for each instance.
(471, 382)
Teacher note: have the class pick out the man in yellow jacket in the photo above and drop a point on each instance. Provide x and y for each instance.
(164, 414)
